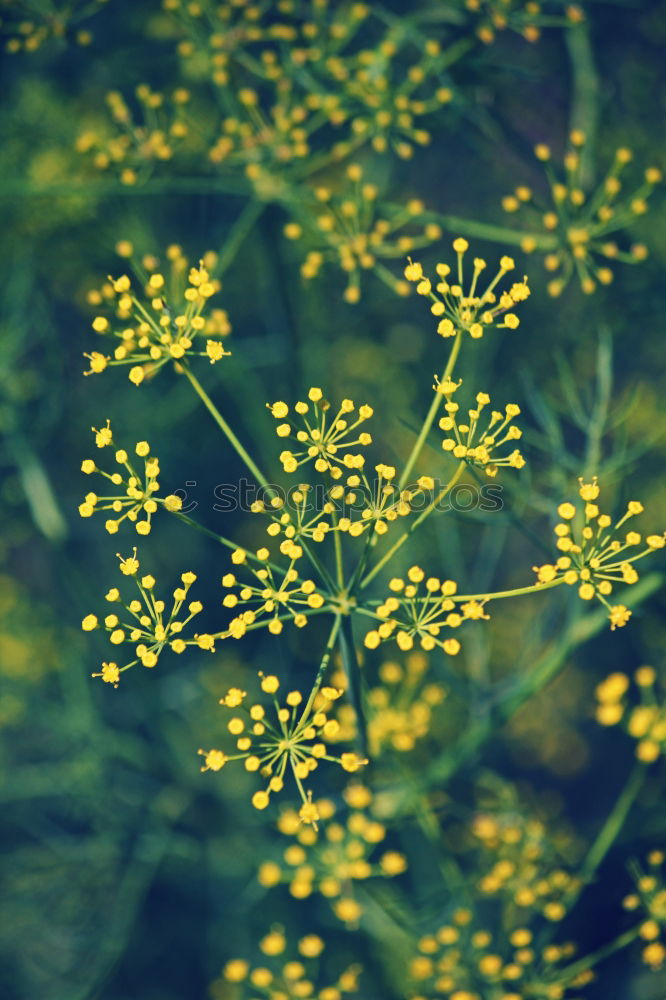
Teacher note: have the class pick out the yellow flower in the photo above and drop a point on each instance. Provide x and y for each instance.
(156, 322)
(595, 556)
(147, 627)
(273, 739)
(461, 307)
(578, 224)
(323, 439)
(478, 447)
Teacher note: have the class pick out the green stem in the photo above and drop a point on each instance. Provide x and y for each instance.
(432, 413)
(206, 531)
(318, 565)
(15, 187)
(487, 231)
(225, 428)
(339, 568)
(614, 822)
(585, 97)
(238, 233)
(353, 674)
(533, 588)
(569, 973)
(322, 667)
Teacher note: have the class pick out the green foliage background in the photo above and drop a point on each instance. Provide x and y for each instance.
(129, 874)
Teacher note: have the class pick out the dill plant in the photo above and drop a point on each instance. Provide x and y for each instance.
(304, 107)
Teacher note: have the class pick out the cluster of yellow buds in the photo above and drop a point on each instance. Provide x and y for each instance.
(595, 557)
(479, 447)
(382, 503)
(280, 976)
(147, 628)
(459, 308)
(292, 738)
(379, 501)
(460, 961)
(26, 27)
(400, 705)
(296, 523)
(139, 488)
(322, 439)
(159, 317)
(650, 897)
(415, 612)
(357, 232)
(331, 860)
(526, 17)
(644, 722)
(578, 223)
(386, 93)
(214, 39)
(264, 139)
(132, 147)
(278, 595)
(518, 855)
(305, 65)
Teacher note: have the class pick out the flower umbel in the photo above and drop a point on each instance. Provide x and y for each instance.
(578, 222)
(323, 440)
(276, 977)
(138, 501)
(358, 232)
(595, 556)
(282, 738)
(159, 317)
(460, 307)
(410, 614)
(478, 447)
(332, 860)
(277, 594)
(650, 897)
(146, 627)
(645, 722)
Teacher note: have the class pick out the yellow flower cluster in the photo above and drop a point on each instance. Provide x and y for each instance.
(400, 707)
(595, 556)
(322, 439)
(298, 524)
(478, 447)
(386, 92)
(381, 502)
(278, 977)
(331, 860)
(277, 595)
(147, 627)
(351, 228)
(160, 317)
(459, 961)
(264, 138)
(419, 608)
(380, 95)
(521, 850)
(26, 27)
(578, 222)
(525, 17)
(465, 308)
(219, 38)
(132, 145)
(650, 896)
(290, 737)
(644, 722)
(138, 501)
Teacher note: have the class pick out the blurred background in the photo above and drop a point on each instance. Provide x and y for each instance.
(128, 874)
